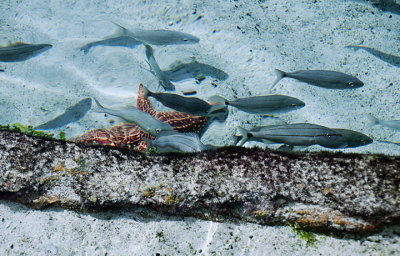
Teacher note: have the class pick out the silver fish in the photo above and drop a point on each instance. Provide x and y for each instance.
(349, 139)
(191, 105)
(300, 134)
(386, 57)
(160, 37)
(144, 120)
(180, 142)
(71, 114)
(121, 40)
(266, 104)
(181, 71)
(322, 78)
(394, 124)
(156, 70)
(21, 51)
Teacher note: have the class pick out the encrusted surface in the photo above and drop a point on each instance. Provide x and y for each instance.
(321, 191)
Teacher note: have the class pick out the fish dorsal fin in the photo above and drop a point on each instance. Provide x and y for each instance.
(120, 31)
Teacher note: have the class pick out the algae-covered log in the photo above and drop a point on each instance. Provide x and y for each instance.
(322, 191)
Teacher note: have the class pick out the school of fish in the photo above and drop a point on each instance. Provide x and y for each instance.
(216, 107)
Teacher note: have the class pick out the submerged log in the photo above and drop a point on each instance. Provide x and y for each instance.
(321, 191)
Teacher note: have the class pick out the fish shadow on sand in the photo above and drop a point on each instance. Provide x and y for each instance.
(71, 114)
(180, 71)
(387, 6)
(386, 57)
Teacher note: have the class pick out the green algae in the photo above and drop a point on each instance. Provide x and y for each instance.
(28, 129)
(304, 234)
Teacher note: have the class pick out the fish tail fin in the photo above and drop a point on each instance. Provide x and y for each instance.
(149, 51)
(279, 75)
(218, 108)
(245, 136)
(372, 120)
(99, 108)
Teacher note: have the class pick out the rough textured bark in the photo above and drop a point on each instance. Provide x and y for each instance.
(321, 191)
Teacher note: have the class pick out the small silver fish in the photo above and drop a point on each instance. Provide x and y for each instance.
(266, 104)
(156, 70)
(20, 51)
(394, 124)
(300, 134)
(386, 57)
(180, 142)
(191, 105)
(321, 78)
(71, 114)
(349, 139)
(144, 120)
(160, 37)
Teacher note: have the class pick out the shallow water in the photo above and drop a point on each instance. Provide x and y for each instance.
(245, 39)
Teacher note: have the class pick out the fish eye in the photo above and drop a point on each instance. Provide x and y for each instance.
(157, 130)
(184, 39)
(351, 84)
(294, 105)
